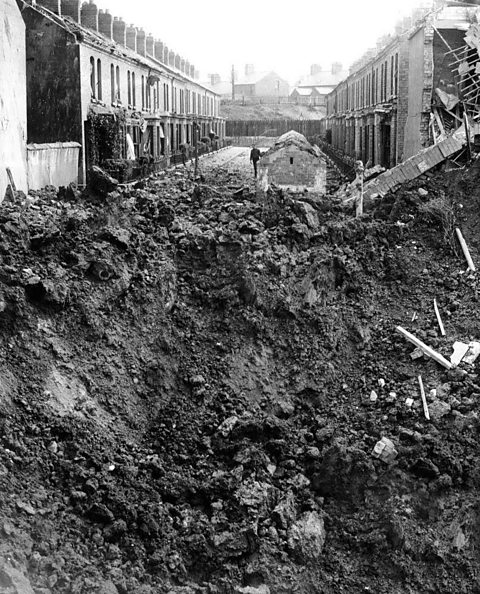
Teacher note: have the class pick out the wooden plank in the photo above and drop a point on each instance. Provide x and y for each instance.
(439, 319)
(425, 348)
(424, 398)
(466, 251)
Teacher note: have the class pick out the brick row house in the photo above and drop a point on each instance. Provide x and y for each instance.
(382, 112)
(128, 99)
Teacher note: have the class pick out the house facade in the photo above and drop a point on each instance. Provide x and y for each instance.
(123, 95)
(261, 85)
(382, 112)
(13, 102)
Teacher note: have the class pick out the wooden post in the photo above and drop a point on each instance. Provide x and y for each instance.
(466, 252)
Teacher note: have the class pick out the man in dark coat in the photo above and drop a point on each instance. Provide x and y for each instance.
(254, 157)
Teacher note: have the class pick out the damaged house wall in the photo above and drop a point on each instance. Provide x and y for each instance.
(53, 83)
(382, 112)
(13, 97)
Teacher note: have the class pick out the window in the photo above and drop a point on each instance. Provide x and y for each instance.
(129, 87)
(92, 77)
(143, 92)
(117, 89)
(112, 84)
(134, 93)
(99, 80)
(291, 160)
(396, 75)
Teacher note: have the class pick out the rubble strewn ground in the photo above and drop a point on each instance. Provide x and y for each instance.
(186, 391)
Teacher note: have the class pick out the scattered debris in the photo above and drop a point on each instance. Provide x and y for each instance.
(473, 353)
(426, 349)
(385, 450)
(460, 349)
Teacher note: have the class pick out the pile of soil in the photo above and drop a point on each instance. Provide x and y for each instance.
(186, 397)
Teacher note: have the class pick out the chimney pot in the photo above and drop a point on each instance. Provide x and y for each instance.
(71, 8)
(89, 15)
(132, 38)
(150, 45)
(158, 49)
(119, 31)
(141, 42)
(105, 24)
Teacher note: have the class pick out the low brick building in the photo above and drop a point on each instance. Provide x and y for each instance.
(293, 164)
(381, 113)
(123, 95)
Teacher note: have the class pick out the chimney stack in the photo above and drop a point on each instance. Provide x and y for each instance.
(53, 5)
(249, 69)
(182, 65)
(166, 53)
(119, 31)
(141, 42)
(171, 58)
(105, 23)
(150, 45)
(177, 61)
(71, 8)
(89, 15)
(192, 71)
(336, 67)
(132, 38)
(187, 68)
(315, 69)
(158, 49)
(197, 74)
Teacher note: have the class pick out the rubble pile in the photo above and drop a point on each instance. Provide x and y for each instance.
(202, 392)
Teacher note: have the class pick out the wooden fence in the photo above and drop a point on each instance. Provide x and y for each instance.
(272, 127)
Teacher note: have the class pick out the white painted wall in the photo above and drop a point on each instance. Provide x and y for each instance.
(13, 97)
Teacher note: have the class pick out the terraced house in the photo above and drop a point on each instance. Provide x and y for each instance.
(128, 99)
(386, 109)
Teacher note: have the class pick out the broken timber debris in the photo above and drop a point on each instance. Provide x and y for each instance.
(439, 319)
(426, 349)
(424, 398)
(466, 251)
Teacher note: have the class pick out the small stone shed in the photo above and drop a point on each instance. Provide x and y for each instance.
(293, 164)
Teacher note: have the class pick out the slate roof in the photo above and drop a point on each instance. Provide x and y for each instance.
(95, 38)
(255, 77)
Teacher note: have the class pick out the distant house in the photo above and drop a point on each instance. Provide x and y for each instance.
(293, 164)
(314, 88)
(13, 98)
(310, 95)
(261, 85)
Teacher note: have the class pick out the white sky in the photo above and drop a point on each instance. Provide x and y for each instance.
(282, 35)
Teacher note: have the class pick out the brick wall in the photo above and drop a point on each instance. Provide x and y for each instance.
(295, 169)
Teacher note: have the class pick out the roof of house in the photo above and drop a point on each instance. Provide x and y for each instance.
(255, 77)
(303, 92)
(296, 139)
(325, 78)
(95, 38)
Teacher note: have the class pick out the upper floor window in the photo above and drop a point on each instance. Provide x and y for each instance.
(92, 77)
(112, 83)
(143, 92)
(117, 81)
(99, 80)
(134, 91)
(129, 87)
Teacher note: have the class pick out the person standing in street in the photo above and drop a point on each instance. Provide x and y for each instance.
(254, 158)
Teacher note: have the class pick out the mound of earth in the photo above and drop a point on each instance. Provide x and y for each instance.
(194, 383)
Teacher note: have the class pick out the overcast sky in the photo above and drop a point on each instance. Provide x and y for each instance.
(282, 35)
